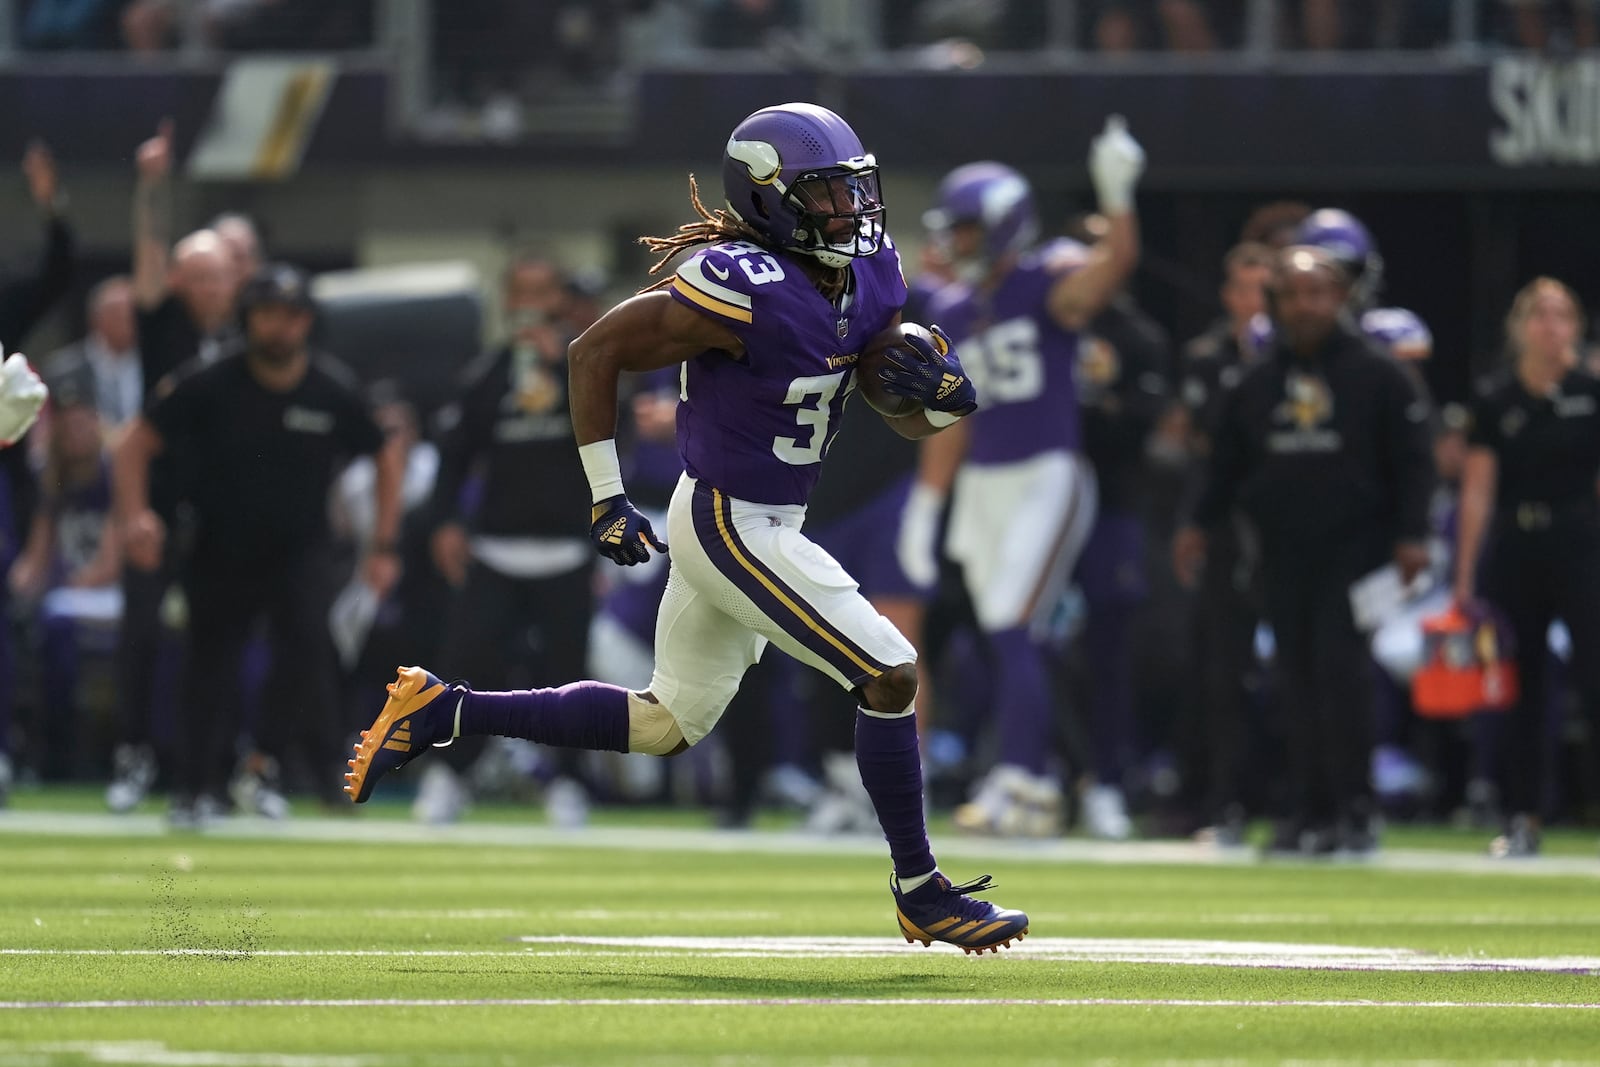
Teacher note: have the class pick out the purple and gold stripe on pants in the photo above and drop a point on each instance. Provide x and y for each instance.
(713, 525)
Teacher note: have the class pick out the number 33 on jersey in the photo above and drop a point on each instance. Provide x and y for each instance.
(757, 427)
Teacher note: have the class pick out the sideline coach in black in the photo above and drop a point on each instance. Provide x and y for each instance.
(1324, 447)
(258, 437)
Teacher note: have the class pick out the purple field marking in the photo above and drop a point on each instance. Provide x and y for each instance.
(798, 1002)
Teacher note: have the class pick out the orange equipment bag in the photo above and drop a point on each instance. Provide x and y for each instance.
(1467, 664)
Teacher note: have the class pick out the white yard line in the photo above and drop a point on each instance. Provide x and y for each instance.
(1203, 953)
(668, 839)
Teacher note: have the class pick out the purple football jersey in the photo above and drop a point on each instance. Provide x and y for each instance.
(1020, 359)
(758, 426)
(1400, 332)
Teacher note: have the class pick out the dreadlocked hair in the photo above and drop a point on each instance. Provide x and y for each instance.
(715, 226)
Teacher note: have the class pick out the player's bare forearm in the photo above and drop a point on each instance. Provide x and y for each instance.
(1479, 483)
(391, 466)
(130, 470)
(152, 237)
(645, 333)
(1080, 296)
(940, 457)
(913, 427)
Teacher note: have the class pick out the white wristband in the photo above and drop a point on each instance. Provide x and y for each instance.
(600, 466)
(1115, 198)
(940, 419)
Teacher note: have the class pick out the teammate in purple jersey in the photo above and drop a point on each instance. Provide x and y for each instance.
(787, 284)
(1025, 495)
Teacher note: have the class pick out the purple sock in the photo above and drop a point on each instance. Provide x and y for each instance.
(891, 769)
(1023, 703)
(590, 715)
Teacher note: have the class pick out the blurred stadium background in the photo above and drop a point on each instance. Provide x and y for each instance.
(406, 152)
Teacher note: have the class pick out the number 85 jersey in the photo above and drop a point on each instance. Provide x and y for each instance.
(757, 426)
(1021, 360)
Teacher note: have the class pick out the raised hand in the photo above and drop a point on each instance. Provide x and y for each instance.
(44, 179)
(153, 160)
(1116, 162)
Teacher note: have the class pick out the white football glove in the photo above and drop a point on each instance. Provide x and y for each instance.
(1116, 161)
(22, 394)
(919, 529)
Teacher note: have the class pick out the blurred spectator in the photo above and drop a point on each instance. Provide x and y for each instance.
(288, 25)
(252, 25)
(586, 292)
(747, 23)
(521, 563)
(1398, 331)
(1275, 223)
(239, 234)
(1122, 388)
(1552, 25)
(1122, 26)
(259, 432)
(1213, 742)
(25, 298)
(1398, 648)
(406, 626)
(185, 296)
(111, 351)
(73, 25)
(495, 58)
(1329, 25)
(19, 494)
(69, 566)
(149, 25)
(184, 309)
(1529, 511)
(1323, 446)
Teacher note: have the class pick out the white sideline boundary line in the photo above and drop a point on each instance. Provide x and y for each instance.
(794, 1002)
(789, 1002)
(670, 839)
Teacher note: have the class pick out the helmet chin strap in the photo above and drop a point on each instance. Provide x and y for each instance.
(829, 258)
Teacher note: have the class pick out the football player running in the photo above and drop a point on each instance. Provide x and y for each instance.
(1025, 496)
(785, 286)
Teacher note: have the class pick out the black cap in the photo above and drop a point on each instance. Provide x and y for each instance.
(277, 283)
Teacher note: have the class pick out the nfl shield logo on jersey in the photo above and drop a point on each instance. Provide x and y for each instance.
(844, 326)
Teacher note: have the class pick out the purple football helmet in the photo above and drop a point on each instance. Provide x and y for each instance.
(1342, 236)
(798, 176)
(995, 197)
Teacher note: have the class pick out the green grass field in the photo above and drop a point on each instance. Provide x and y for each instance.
(348, 942)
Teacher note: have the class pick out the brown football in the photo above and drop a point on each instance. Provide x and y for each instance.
(873, 358)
